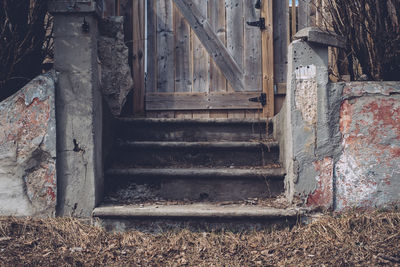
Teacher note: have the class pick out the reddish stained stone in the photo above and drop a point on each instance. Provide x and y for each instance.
(371, 153)
(323, 194)
(51, 193)
(21, 123)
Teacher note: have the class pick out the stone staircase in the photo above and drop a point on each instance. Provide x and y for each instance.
(165, 173)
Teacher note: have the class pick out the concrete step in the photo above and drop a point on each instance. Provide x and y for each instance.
(192, 130)
(161, 154)
(161, 217)
(192, 184)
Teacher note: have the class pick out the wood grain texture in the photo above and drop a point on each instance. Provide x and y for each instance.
(253, 114)
(183, 58)
(138, 64)
(234, 29)
(294, 19)
(165, 46)
(252, 49)
(268, 57)
(201, 114)
(216, 17)
(218, 114)
(234, 35)
(200, 101)
(201, 65)
(281, 28)
(236, 114)
(151, 75)
(212, 43)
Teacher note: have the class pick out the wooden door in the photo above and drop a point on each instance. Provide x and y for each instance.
(204, 60)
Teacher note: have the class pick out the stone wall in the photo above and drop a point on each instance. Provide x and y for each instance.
(339, 142)
(116, 78)
(28, 184)
(367, 172)
(364, 168)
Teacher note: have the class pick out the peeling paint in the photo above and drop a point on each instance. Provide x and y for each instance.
(306, 93)
(27, 150)
(322, 196)
(368, 170)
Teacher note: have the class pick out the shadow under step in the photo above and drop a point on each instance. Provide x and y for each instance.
(194, 216)
(195, 184)
(191, 130)
(196, 153)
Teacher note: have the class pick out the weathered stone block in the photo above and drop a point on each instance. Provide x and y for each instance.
(28, 150)
(368, 170)
(116, 79)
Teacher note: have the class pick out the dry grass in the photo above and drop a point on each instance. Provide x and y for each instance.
(356, 238)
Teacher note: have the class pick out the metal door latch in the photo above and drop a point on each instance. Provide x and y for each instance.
(260, 23)
(261, 99)
(258, 4)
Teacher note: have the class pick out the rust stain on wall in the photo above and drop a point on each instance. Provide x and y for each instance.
(323, 194)
(368, 170)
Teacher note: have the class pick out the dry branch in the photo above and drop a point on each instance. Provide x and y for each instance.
(372, 30)
(25, 40)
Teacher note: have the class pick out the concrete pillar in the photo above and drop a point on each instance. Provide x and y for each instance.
(78, 107)
(303, 131)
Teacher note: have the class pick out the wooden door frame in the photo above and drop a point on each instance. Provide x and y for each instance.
(267, 40)
(230, 71)
(138, 56)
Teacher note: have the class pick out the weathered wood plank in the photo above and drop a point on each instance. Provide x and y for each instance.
(183, 57)
(201, 114)
(151, 75)
(234, 29)
(280, 89)
(267, 37)
(304, 14)
(165, 46)
(211, 42)
(201, 81)
(118, 4)
(236, 114)
(253, 114)
(166, 114)
(200, 101)
(218, 114)
(216, 17)
(252, 49)
(138, 63)
(281, 27)
(186, 114)
(234, 34)
(294, 19)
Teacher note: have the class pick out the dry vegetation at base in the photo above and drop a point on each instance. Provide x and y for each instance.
(355, 238)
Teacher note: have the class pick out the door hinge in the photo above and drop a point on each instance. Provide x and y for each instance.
(261, 99)
(260, 23)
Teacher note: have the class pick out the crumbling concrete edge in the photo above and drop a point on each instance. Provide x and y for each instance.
(310, 135)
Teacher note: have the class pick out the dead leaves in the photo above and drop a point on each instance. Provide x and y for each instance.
(347, 239)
